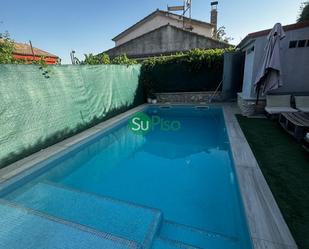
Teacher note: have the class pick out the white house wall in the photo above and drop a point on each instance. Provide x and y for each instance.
(159, 21)
(248, 71)
(294, 63)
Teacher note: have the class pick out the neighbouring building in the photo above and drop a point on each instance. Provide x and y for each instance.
(294, 58)
(25, 52)
(165, 33)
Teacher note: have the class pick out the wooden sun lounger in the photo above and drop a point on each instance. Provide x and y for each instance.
(297, 124)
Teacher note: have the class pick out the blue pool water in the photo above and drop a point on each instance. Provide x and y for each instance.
(165, 189)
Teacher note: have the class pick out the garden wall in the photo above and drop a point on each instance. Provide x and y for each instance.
(43, 105)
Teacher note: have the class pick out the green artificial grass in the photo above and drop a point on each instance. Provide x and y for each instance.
(285, 166)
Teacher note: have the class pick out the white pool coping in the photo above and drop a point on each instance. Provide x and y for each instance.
(266, 224)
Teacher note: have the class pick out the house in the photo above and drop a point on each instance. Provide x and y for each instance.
(26, 52)
(294, 58)
(165, 33)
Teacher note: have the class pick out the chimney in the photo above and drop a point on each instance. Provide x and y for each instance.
(214, 16)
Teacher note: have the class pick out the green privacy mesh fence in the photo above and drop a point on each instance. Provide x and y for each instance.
(41, 106)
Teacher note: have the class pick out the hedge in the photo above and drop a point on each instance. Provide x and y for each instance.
(196, 70)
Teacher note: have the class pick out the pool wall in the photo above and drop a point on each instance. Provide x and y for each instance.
(21, 171)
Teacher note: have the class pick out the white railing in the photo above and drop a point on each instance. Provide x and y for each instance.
(215, 92)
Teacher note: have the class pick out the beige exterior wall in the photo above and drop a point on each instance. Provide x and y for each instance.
(164, 40)
(159, 21)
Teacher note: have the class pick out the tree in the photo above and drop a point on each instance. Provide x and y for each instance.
(221, 35)
(6, 49)
(91, 59)
(304, 15)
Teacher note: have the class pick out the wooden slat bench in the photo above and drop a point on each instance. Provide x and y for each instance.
(297, 124)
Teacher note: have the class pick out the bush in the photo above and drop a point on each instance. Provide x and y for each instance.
(196, 70)
(96, 59)
(103, 58)
(6, 49)
(123, 60)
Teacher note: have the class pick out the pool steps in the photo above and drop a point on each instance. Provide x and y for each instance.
(127, 221)
(162, 243)
(27, 229)
(206, 108)
(197, 237)
(124, 219)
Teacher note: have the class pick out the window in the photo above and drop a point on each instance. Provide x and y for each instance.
(292, 44)
(250, 50)
(302, 43)
(299, 44)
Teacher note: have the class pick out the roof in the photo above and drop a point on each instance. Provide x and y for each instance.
(266, 32)
(156, 13)
(25, 49)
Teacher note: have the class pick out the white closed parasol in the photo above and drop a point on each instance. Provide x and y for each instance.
(269, 75)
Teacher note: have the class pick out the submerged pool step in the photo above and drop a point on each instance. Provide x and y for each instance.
(122, 219)
(196, 237)
(160, 243)
(22, 228)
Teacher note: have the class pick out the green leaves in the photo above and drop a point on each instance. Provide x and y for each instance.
(103, 58)
(123, 60)
(193, 57)
(304, 16)
(6, 49)
(222, 36)
(91, 59)
(163, 72)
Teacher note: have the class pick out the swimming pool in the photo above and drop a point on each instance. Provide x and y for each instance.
(163, 189)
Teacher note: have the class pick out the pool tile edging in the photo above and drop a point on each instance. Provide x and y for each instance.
(267, 226)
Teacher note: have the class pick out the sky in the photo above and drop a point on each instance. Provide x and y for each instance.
(58, 26)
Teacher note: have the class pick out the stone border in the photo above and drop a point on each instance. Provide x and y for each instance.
(187, 97)
(266, 224)
(248, 107)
